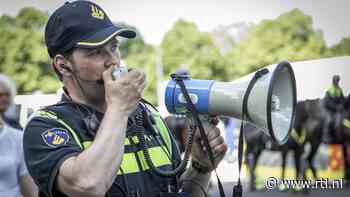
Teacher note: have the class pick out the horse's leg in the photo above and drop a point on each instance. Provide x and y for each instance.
(310, 158)
(284, 158)
(250, 157)
(255, 162)
(301, 167)
(297, 161)
(284, 152)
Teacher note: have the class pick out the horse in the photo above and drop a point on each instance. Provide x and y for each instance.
(342, 136)
(307, 128)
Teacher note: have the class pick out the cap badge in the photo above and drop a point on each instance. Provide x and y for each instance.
(97, 13)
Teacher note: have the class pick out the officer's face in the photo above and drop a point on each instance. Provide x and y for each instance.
(90, 63)
(4, 99)
(88, 66)
(336, 81)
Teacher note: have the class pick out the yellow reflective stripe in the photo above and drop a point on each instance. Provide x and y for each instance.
(334, 91)
(134, 138)
(45, 114)
(346, 123)
(72, 132)
(126, 141)
(87, 144)
(129, 163)
(163, 130)
(299, 139)
(157, 156)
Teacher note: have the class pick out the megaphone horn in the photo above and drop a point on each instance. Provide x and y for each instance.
(270, 105)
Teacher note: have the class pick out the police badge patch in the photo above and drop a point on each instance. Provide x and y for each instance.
(55, 137)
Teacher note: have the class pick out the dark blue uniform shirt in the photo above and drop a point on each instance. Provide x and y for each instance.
(48, 143)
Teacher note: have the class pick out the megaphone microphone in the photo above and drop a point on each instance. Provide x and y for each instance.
(270, 104)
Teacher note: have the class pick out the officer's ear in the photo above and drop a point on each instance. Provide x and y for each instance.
(62, 66)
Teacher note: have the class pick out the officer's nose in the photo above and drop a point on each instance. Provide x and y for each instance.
(113, 60)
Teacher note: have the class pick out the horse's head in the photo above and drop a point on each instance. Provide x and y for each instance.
(314, 109)
(308, 116)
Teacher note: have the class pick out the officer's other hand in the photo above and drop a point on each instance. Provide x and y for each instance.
(216, 142)
(125, 92)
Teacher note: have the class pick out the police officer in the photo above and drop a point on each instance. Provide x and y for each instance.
(86, 145)
(333, 103)
(334, 95)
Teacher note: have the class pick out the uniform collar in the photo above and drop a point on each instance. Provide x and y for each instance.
(83, 108)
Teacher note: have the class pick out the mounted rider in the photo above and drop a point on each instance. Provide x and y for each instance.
(332, 103)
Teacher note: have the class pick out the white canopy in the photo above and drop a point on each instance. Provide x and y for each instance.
(314, 77)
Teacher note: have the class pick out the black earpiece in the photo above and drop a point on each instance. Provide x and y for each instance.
(66, 67)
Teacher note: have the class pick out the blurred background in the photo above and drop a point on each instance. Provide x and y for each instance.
(218, 40)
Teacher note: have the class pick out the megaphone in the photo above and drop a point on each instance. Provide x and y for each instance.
(270, 105)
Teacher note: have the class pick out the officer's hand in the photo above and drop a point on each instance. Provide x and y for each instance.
(216, 142)
(125, 92)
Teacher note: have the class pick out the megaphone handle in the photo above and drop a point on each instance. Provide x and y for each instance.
(210, 119)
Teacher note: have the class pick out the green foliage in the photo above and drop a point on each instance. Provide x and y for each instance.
(289, 37)
(29, 17)
(342, 48)
(179, 45)
(208, 63)
(185, 45)
(131, 46)
(24, 56)
(144, 59)
(137, 54)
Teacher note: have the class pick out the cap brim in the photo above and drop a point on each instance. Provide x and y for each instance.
(103, 36)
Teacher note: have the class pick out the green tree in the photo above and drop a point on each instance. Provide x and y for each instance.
(24, 56)
(289, 37)
(138, 54)
(342, 48)
(145, 60)
(185, 45)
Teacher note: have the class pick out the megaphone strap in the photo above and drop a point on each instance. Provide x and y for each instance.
(191, 107)
(237, 189)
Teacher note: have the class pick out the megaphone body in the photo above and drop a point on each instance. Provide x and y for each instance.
(270, 105)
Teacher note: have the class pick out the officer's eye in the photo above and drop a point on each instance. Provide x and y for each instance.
(114, 47)
(94, 52)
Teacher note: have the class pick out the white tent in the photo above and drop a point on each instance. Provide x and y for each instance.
(315, 76)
